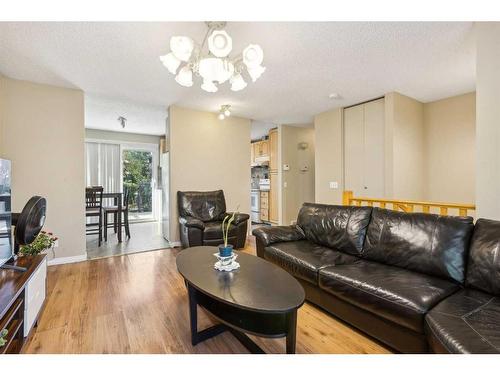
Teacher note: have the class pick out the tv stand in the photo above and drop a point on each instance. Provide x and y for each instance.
(22, 295)
(9, 265)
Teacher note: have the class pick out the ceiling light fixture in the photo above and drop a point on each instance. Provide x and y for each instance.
(216, 67)
(224, 111)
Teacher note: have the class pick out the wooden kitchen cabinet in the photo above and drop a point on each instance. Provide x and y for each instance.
(273, 150)
(264, 148)
(264, 205)
(273, 198)
(260, 149)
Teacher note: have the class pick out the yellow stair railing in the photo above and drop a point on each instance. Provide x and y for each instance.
(451, 209)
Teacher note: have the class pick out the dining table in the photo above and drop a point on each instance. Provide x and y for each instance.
(117, 201)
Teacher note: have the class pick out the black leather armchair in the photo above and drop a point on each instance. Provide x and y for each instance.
(200, 220)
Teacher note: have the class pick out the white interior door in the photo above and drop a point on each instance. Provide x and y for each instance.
(354, 150)
(374, 180)
(364, 149)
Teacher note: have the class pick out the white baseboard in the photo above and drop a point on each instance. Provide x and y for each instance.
(65, 260)
(175, 243)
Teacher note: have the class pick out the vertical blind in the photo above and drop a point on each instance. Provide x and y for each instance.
(102, 166)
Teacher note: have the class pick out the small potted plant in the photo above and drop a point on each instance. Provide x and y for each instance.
(225, 249)
(44, 242)
(3, 337)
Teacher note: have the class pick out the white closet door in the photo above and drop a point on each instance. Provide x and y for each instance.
(374, 116)
(354, 150)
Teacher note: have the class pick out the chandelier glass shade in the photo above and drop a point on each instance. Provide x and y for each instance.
(171, 62)
(237, 82)
(182, 47)
(185, 77)
(216, 66)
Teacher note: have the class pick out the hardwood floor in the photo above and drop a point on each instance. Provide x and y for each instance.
(137, 303)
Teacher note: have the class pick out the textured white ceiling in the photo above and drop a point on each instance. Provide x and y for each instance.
(305, 62)
(102, 113)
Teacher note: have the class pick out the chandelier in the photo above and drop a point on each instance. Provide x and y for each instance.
(215, 67)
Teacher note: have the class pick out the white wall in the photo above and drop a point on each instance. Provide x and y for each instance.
(299, 184)
(488, 120)
(43, 134)
(208, 154)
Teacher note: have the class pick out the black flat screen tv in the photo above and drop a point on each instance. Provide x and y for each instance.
(6, 248)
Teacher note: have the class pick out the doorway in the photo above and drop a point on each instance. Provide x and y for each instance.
(120, 166)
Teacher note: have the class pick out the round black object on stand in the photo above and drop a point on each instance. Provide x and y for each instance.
(28, 225)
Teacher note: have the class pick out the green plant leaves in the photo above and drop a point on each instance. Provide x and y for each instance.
(3, 335)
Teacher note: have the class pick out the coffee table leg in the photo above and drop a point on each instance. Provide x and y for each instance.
(208, 333)
(291, 332)
(193, 314)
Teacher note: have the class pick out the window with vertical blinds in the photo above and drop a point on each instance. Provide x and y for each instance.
(103, 166)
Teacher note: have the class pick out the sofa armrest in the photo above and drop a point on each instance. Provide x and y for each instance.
(238, 217)
(270, 235)
(191, 222)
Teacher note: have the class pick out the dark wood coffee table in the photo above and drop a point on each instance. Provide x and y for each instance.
(259, 298)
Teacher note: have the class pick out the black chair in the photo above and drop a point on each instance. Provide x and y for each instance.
(114, 210)
(200, 218)
(93, 208)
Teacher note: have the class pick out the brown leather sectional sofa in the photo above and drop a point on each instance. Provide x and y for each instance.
(416, 282)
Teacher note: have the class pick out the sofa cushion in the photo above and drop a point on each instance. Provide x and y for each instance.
(398, 295)
(213, 230)
(303, 259)
(483, 268)
(202, 205)
(339, 227)
(466, 322)
(432, 244)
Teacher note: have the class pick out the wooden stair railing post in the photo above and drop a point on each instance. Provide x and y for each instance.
(347, 196)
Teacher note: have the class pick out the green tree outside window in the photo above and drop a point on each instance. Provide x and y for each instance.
(137, 175)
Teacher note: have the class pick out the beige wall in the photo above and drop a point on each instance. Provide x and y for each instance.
(488, 120)
(328, 156)
(429, 150)
(404, 159)
(121, 136)
(299, 184)
(2, 90)
(208, 154)
(450, 132)
(43, 135)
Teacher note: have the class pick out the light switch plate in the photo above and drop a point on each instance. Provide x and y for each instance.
(334, 185)
(286, 167)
